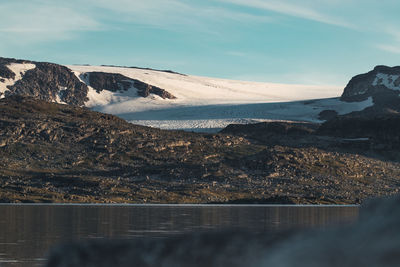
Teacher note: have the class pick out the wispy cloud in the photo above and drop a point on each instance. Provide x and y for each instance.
(175, 14)
(37, 21)
(236, 53)
(394, 45)
(394, 49)
(297, 9)
(43, 20)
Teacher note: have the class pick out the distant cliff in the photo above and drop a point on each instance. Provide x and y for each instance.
(382, 84)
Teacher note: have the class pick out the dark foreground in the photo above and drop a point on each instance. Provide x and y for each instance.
(60, 153)
(27, 232)
(373, 241)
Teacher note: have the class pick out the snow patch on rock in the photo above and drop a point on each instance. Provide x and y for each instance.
(19, 70)
(389, 81)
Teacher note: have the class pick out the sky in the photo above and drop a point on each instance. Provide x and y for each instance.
(286, 41)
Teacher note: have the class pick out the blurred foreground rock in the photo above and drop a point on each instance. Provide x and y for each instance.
(373, 241)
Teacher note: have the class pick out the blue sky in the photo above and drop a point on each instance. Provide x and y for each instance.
(288, 41)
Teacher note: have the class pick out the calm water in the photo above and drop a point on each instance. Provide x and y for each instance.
(28, 231)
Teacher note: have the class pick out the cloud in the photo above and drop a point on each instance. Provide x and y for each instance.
(46, 20)
(38, 21)
(236, 54)
(394, 45)
(302, 10)
(174, 14)
(394, 49)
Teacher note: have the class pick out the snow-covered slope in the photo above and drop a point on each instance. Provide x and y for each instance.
(209, 104)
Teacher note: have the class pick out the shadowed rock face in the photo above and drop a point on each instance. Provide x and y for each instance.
(381, 82)
(47, 81)
(373, 241)
(384, 129)
(117, 82)
(109, 81)
(272, 128)
(6, 72)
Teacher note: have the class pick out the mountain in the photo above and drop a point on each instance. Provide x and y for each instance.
(381, 81)
(169, 100)
(55, 148)
(382, 84)
(45, 81)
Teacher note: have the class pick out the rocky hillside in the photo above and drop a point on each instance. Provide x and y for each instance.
(45, 81)
(382, 80)
(382, 84)
(62, 153)
(57, 83)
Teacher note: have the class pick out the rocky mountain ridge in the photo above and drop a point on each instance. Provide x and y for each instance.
(57, 83)
(381, 80)
(382, 84)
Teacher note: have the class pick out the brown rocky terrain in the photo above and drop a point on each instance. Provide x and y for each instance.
(61, 153)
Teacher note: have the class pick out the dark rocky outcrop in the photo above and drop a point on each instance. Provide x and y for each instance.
(47, 81)
(5, 72)
(381, 131)
(382, 85)
(145, 90)
(272, 128)
(109, 81)
(327, 115)
(117, 82)
(372, 241)
(369, 84)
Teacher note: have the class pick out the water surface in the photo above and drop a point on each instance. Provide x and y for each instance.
(28, 231)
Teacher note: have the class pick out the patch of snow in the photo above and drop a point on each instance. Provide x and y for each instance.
(19, 70)
(387, 80)
(61, 91)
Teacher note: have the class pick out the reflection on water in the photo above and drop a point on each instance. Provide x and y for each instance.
(28, 231)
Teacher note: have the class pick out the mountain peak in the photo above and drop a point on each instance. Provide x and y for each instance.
(382, 83)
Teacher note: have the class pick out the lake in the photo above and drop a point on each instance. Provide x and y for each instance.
(28, 231)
